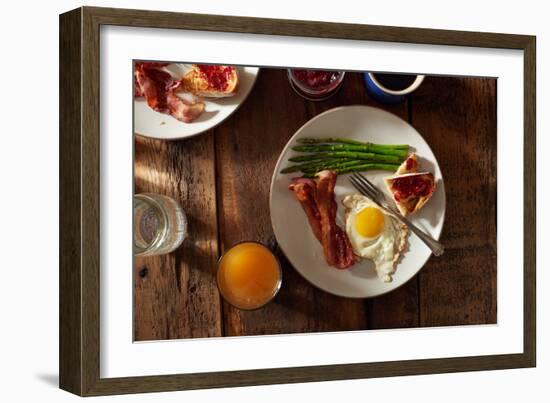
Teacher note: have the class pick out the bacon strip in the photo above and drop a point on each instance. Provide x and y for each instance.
(318, 202)
(158, 86)
(304, 190)
(336, 245)
(183, 110)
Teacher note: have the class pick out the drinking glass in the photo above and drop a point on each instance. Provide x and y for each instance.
(160, 224)
(249, 275)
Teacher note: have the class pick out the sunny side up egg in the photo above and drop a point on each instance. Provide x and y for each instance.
(374, 234)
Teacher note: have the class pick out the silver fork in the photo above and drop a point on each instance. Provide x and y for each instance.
(367, 188)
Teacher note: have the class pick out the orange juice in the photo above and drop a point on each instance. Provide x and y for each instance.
(249, 275)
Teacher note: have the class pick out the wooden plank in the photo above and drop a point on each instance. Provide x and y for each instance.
(248, 146)
(176, 294)
(398, 308)
(457, 116)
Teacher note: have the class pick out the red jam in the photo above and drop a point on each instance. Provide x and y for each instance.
(404, 187)
(217, 76)
(317, 80)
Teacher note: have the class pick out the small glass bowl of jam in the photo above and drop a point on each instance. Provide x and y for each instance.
(315, 85)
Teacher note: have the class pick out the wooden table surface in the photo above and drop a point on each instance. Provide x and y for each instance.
(222, 177)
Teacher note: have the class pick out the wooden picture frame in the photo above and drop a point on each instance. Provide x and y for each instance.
(79, 201)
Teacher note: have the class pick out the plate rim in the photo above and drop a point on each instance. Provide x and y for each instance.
(274, 174)
(258, 69)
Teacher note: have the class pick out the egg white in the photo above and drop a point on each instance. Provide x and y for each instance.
(386, 248)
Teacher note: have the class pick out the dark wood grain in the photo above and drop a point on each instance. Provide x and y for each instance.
(70, 276)
(248, 146)
(399, 308)
(79, 190)
(141, 384)
(317, 29)
(457, 116)
(176, 294)
(530, 202)
(90, 204)
(463, 290)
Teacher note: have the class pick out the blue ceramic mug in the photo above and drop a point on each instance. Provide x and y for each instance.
(385, 95)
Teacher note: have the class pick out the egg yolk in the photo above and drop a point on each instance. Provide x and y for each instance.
(369, 222)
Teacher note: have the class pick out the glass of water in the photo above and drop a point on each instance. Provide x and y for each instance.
(160, 224)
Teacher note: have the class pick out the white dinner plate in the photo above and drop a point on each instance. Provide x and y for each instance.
(290, 224)
(150, 123)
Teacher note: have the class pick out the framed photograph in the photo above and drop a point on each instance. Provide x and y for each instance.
(252, 201)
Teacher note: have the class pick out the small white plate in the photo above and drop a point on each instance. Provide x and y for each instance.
(290, 224)
(150, 123)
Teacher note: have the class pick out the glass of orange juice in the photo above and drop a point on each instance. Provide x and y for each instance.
(249, 275)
